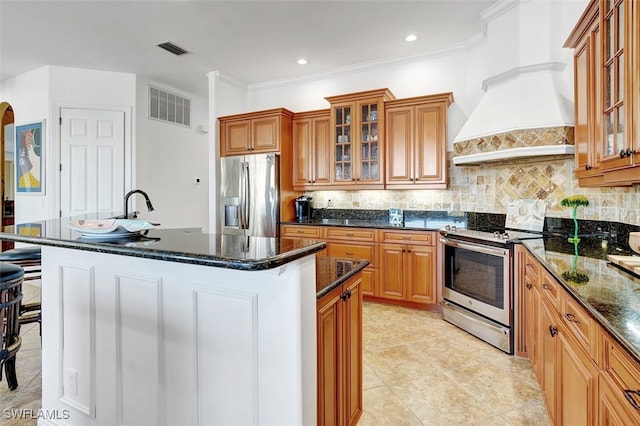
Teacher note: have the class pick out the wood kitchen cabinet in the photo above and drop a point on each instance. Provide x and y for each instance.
(339, 334)
(255, 132)
(357, 139)
(606, 40)
(311, 150)
(416, 142)
(619, 401)
(586, 377)
(408, 266)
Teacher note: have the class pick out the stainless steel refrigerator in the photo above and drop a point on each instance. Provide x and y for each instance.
(250, 195)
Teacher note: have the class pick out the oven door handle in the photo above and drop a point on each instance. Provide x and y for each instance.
(474, 247)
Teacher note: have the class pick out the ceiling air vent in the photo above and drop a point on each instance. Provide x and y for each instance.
(170, 47)
(169, 107)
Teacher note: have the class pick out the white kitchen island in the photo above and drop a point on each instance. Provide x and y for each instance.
(176, 327)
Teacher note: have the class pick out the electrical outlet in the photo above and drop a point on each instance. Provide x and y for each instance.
(412, 204)
(71, 382)
(329, 203)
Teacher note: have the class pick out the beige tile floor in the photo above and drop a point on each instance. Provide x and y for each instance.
(418, 370)
(421, 370)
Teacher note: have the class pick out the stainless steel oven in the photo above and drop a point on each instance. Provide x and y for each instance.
(478, 291)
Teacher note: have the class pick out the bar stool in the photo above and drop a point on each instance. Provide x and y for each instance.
(29, 259)
(10, 297)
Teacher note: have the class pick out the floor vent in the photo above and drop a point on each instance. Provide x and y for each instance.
(167, 106)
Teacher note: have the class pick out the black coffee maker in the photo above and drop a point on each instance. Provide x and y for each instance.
(303, 208)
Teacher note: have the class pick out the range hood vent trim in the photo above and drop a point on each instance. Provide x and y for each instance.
(513, 154)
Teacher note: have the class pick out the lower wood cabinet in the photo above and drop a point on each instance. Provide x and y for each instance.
(339, 334)
(402, 263)
(407, 262)
(408, 272)
(586, 377)
(577, 382)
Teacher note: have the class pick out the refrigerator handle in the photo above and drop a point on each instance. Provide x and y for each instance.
(247, 199)
(244, 196)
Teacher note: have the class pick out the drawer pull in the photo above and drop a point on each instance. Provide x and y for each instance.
(529, 286)
(350, 234)
(628, 393)
(571, 318)
(553, 330)
(529, 265)
(300, 231)
(349, 253)
(406, 238)
(547, 287)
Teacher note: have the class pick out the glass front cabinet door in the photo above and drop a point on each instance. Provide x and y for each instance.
(357, 156)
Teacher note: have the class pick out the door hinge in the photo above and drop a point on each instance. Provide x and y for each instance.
(60, 166)
(60, 120)
(60, 213)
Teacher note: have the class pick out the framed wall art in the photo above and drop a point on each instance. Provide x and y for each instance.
(30, 158)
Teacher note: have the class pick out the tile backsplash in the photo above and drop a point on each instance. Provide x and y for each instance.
(488, 189)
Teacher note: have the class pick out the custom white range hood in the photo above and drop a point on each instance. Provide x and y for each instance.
(529, 88)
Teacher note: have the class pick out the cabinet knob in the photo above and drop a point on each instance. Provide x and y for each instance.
(529, 286)
(553, 330)
(622, 153)
(587, 167)
(546, 286)
(308, 181)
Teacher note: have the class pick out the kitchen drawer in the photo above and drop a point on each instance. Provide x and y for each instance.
(580, 323)
(550, 289)
(353, 251)
(301, 231)
(532, 267)
(619, 366)
(350, 234)
(415, 237)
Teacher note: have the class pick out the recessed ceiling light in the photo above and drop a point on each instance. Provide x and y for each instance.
(302, 61)
(411, 37)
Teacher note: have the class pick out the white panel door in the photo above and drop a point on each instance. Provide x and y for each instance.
(91, 161)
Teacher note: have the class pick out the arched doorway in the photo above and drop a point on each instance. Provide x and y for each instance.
(7, 169)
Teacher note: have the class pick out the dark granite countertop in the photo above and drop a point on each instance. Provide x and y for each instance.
(331, 272)
(188, 245)
(416, 223)
(612, 296)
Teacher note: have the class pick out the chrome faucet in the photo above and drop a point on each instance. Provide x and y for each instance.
(126, 202)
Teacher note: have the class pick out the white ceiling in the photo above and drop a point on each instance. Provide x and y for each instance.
(251, 41)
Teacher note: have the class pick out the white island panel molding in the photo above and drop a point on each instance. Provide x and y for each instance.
(153, 342)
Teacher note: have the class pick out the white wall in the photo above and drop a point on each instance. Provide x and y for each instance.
(38, 95)
(30, 97)
(168, 159)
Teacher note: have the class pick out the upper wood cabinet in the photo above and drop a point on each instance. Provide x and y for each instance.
(311, 150)
(255, 132)
(357, 139)
(416, 142)
(606, 40)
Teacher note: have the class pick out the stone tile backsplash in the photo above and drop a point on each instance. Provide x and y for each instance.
(488, 188)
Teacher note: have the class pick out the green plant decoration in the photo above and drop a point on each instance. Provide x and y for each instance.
(575, 201)
(574, 275)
